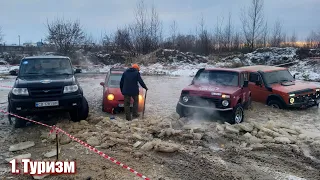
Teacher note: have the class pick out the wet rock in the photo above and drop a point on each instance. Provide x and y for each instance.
(253, 140)
(137, 136)
(113, 134)
(137, 154)
(302, 136)
(137, 144)
(232, 129)
(197, 136)
(119, 141)
(174, 116)
(166, 147)
(270, 124)
(246, 127)
(93, 141)
(187, 136)
(254, 132)
(162, 133)
(261, 134)
(148, 146)
(316, 143)
(52, 153)
(19, 157)
(105, 123)
(247, 135)
(291, 131)
(21, 146)
(126, 149)
(295, 148)
(107, 144)
(243, 145)
(257, 146)
(219, 128)
(84, 122)
(282, 140)
(65, 140)
(283, 132)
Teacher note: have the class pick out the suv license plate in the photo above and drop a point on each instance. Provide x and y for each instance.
(48, 103)
(122, 105)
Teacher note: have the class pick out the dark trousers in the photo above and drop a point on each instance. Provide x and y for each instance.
(127, 100)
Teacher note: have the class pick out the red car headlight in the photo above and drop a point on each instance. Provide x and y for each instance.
(110, 97)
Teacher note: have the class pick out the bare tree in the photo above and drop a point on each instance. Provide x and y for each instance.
(293, 39)
(265, 34)
(203, 43)
(236, 41)
(66, 35)
(123, 39)
(252, 22)
(228, 34)
(277, 36)
(174, 29)
(1, 34)
(218, 34)
(155, 29)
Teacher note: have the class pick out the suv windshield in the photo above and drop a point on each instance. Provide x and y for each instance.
(225, 78)
(278, 77)
(114, 80)
(45, 66)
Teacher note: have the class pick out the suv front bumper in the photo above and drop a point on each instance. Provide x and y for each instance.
(305, 104)
(180, 107)
(27, 106)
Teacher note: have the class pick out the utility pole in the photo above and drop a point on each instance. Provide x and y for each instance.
(19, 39)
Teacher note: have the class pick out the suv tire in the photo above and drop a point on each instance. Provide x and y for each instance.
(81, 113)
(18, 123)
(275, 104)
(237, 115)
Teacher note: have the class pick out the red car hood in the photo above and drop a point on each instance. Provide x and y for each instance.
(208, 89)
(294, 86)
(117, 93)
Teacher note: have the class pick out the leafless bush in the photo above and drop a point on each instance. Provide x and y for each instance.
(1, 34)
(253, 22)
(66, 35)
(277, 36)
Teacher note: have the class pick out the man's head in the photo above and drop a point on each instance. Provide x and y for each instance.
(136, 66)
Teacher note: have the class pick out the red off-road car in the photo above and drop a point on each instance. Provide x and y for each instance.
(112, 98)
(220, 90)
(276, 87)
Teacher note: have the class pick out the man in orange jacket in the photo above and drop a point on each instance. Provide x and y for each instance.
(129, 88)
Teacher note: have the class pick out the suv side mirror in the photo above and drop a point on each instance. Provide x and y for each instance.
(258, 81)
(102, 83)
(13, 73)
(77, 71)
(246, 83)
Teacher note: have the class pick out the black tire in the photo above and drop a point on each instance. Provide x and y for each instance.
(248, 104)
(275, 104)
(19, 123)
(237, 115)
(81, 113)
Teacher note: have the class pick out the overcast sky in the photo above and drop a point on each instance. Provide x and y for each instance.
(27, 18)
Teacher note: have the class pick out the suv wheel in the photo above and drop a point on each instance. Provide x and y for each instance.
(275, 104)
(18, 123)
(237, 115)
(81, 113)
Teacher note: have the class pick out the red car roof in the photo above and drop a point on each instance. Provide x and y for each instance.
(226, 69)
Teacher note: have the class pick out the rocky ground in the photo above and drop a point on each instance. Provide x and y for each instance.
(270, 144)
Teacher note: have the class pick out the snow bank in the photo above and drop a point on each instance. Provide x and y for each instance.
(307, 70)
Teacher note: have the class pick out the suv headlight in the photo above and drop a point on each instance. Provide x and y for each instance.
(70, 89)
(20, 91)
(185, 99)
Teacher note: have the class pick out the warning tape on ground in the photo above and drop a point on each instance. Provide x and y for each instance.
(6, 86)
(54, 128)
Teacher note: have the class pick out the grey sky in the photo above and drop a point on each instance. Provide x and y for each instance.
(27, 18)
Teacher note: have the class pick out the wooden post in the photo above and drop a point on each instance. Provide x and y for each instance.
(57, 139)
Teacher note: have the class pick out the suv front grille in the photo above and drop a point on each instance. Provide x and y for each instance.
(205, 102)
(306, 97)
(46, 92)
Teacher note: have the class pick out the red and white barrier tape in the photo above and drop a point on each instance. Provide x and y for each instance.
(54, 128)
(6, 86)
